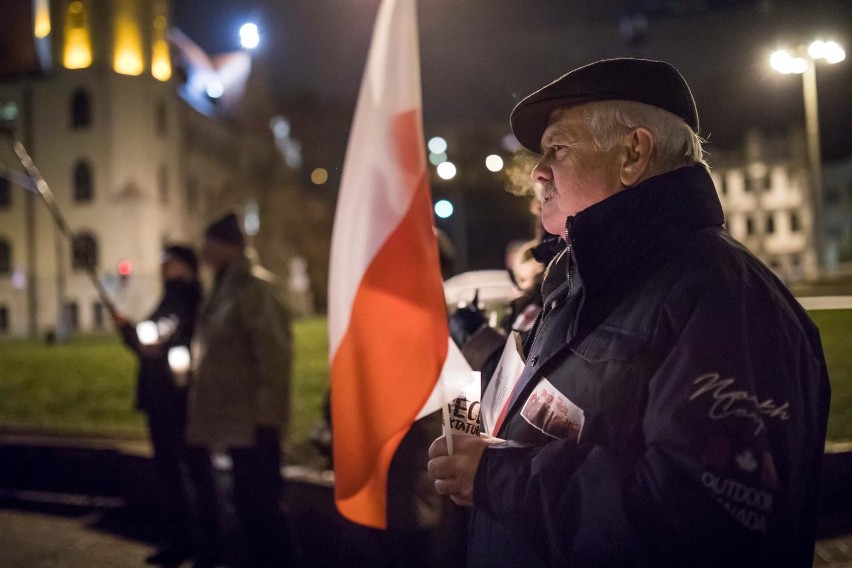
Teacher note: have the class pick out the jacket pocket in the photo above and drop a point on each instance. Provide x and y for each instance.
(610, 375)
(610, 343)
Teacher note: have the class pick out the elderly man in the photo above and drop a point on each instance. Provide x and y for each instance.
(673, 399)
(240, 399)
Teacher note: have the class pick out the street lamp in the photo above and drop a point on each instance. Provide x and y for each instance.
(803, 61)
(249, 36)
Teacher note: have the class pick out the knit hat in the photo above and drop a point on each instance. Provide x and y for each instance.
(184, 254)
(227, 229)
(654, 83)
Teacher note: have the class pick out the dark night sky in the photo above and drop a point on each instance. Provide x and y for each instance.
(480, 56)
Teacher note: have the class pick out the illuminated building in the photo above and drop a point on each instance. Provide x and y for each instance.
(112, 104)
(764, 190)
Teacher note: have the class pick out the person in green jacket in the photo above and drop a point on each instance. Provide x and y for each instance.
(239, 401)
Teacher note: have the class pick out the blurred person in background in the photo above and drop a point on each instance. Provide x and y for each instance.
(240, 400)
(161, 392)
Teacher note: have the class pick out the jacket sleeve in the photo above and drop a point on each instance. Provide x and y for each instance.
(268, 326)
(128, 335)
(731, 440)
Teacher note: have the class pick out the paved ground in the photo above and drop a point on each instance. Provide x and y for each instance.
(834, 553)
(71, 532)
(72, 505)
(834, 547)
(36, 539)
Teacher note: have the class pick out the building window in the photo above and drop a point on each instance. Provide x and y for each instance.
(749, 225)
(81, 109)
(4, 319)
(770, 224)
(795, 224)
(72, 312)
(757, 183)
(83, 190)
(98, 315)
(5, 193)
(5, 257)
(85, 251)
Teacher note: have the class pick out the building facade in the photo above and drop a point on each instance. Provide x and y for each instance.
(142, 142)
(764, 188)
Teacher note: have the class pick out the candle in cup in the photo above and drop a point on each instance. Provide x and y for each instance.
(179, 359)
(147, 332)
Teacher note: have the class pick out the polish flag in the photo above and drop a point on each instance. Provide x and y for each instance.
(388, 337)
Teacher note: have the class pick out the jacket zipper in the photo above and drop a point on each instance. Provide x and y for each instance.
(542, 315)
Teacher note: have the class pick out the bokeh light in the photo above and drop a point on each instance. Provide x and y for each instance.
(437, 159)
(319, 176)
(443, 208)
(494, 163)
(447, 170)
(437, 145)
(249, 36)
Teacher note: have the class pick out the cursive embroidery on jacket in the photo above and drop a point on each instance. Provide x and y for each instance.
(737, 403)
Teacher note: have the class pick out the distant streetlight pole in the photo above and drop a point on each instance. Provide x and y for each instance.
(803, 61)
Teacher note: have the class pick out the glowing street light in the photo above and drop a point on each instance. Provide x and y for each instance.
(437, 145)
(437, 159)
(249, 36)
(803, 61)
(446, 170)
(494, 163)
(444, 208)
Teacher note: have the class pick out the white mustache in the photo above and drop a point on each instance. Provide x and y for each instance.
(544, 191)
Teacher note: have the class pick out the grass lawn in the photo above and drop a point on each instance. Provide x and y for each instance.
(835, 327)
(87, 385)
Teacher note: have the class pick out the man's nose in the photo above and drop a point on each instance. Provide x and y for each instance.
(541, 173)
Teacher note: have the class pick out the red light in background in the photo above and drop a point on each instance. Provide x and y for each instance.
(124, 268)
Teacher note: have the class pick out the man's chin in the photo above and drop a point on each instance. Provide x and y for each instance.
(554, 224)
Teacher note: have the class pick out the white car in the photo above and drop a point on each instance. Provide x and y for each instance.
(495, 292)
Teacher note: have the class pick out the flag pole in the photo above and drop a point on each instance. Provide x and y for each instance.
(49, 200)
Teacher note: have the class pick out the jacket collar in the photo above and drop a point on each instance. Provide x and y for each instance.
(624, 231)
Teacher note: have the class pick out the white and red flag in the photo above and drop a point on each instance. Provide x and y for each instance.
(388, 337)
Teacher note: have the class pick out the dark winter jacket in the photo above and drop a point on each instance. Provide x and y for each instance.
(242, 376)
(673, 407)
(156, 389)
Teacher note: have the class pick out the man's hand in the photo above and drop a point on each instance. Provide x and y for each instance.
(454, 474)
(151, 351)
(120, 321)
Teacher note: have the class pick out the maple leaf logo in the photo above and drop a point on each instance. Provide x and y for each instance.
(746, 461)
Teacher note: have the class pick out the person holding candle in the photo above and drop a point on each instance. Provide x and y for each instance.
(161, 390)
(670, 405)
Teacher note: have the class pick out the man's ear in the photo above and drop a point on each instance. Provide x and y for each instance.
(639, 145)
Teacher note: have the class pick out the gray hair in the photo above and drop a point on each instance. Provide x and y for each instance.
(676, 143)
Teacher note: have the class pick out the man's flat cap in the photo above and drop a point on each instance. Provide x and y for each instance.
(654, 83)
